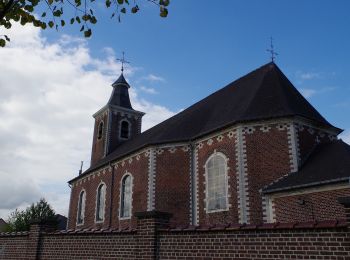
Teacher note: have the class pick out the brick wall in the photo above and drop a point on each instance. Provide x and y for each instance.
(153, 239)
(252, 242)
(320, 205)
(13, 246)
(172, 183)
(268, 159)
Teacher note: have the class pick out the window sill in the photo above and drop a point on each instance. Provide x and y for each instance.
(216, 210)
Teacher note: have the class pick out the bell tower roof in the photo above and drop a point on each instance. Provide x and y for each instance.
(120, 94)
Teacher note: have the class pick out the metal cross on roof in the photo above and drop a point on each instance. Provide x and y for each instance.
(123, 61)
(272, 50)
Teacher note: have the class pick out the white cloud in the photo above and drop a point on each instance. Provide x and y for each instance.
(309, 75)
(307, 92)
(48, 92)
(152, 77)
(148, 90)
(345, 136)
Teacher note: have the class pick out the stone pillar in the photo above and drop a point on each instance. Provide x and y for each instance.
(148, 224)
(35, 232)
(345, 201)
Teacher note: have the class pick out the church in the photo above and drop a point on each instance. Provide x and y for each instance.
(255, 151)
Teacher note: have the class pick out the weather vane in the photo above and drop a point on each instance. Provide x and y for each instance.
(272, 50)
(123, 61)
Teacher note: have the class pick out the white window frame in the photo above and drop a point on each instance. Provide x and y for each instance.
(82, 208)
(120, 129)
(120, 195)
(207, 183)
(103, 204)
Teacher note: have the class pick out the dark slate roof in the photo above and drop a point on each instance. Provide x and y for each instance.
(62, 222)
(265, 93)
(2, 224)
(328, 163)
(120, 95)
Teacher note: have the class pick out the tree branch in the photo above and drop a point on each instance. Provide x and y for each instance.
(6, 9)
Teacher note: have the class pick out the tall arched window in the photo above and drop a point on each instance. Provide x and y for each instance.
(124, 129)
(216, 179)
(100, 202)
(125, 197)
(81, 208)
(100, 130)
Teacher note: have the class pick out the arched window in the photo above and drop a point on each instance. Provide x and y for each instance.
(125, 197)
(124, 130)
(100, 130)
(216, 179)
(100, 202)
(81, 208)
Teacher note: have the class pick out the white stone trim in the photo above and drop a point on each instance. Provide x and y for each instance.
(269, 215)
(293, 146)
(108, 132)
(120, 195)
(104, 202)
(151, 180)
(83, 209)
(196, 207)
(242, 178)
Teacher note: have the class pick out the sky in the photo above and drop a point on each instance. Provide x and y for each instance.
(52, 82)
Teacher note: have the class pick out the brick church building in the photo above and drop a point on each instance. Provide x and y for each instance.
(254, 151)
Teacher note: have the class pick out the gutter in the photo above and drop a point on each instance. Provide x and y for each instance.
(312, 184)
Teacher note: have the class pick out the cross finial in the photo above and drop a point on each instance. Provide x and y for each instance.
(123, 61)
(272, 50)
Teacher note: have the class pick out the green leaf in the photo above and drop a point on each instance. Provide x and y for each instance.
(72, 20)
(123, 10)
(93, 20)
(82, 28)
(44, 14)
(78, 19)
(135, 9)
(7, 38)
(63, 23)
(108, 3)
(120, 2)
(164, 2)
(51, 24)
(2, 43)
(87, 33)
(163, 12)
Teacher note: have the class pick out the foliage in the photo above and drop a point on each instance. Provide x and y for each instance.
(20, 220)
(52, 13)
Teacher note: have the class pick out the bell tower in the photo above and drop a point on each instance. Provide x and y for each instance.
(115, 123)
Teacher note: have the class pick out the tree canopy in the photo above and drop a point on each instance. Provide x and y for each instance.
(20, 220)
(57, 13)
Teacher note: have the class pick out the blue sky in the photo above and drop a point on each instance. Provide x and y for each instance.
(52, 82)
(203, 45)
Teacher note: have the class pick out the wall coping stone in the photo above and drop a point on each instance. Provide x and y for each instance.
(153, 214)
(338, 223)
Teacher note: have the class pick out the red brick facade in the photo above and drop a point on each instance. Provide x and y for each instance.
(172, 177)
(318, 205)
